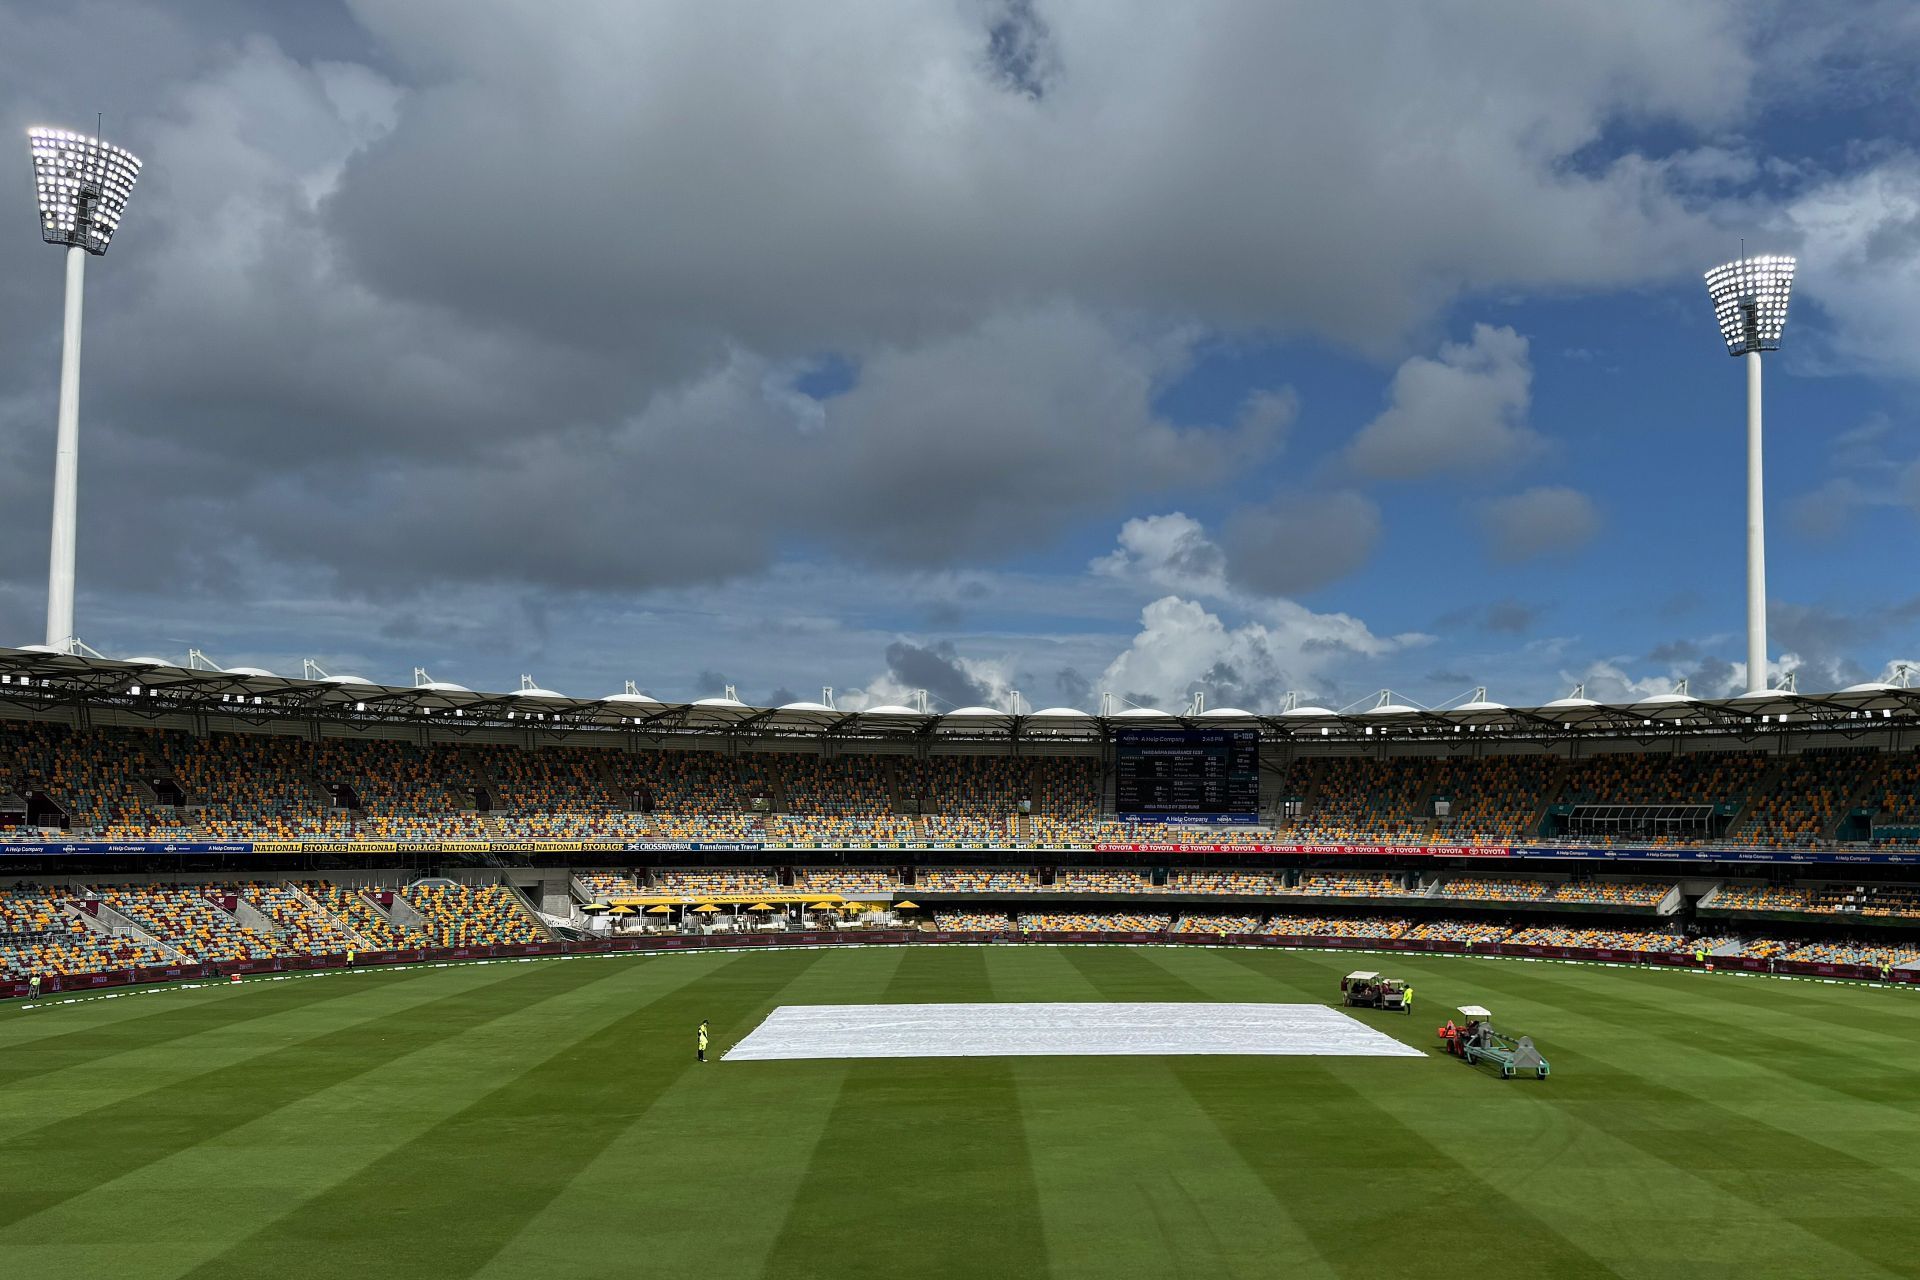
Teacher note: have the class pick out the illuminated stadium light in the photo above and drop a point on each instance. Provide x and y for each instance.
(1750, 304)
(83, 184)
(1750, 301)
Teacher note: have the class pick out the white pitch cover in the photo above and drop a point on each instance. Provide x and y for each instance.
(1037, 1030)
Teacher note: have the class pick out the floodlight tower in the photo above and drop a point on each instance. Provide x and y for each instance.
(1750, 302)
(83, 185)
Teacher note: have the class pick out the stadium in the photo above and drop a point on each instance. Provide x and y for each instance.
(324, 976)
(335, 894)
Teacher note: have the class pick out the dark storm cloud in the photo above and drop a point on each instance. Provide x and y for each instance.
(1075, 689)
(935, 668)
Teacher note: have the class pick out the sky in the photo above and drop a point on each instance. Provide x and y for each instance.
(1049, 350)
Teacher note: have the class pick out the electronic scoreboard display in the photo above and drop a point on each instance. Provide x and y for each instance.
(1201, 775)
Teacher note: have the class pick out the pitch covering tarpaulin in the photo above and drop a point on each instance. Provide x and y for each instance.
(1035, 1030)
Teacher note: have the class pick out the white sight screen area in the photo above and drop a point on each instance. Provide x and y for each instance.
(1038, 1030)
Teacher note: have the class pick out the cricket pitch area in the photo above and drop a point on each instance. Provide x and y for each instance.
(1061, 1030)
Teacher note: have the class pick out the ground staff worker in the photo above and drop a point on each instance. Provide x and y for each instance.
(700, 1043)
(1406, 999)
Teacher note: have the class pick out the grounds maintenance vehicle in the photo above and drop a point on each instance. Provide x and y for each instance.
(1365, 989)
(1469, 1034)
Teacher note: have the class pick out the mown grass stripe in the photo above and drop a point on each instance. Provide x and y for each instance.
(495, 1163)
(42, 1042)
(68, 1157)
(720, 1154)
(1831, 1192)
(941, 1138)
(1283, 1141)
(336, 1132)
(83, 1087)
(1155, 1214)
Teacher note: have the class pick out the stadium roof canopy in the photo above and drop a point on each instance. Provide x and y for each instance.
(88, 690)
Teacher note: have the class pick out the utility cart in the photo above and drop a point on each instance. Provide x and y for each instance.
(1365, 989)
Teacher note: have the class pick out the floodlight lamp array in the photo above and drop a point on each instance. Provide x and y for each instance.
(1750, 301)
(83, 184)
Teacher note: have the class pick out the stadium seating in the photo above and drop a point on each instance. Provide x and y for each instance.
(1105, 922)
(1496, 889)
(699, 882)
(1612, 939)
(305, 927)
(361, 916)
(39, 934)
(459, 915)
(1349, 884)
(1088, 880)
(1307, 926)
(1761, 897)
(977, 880)
(848, 880)
(1622, 893)
(1217, 924)
(970, 921)
(1494, 800)
(1888, 956)
(1365, 799)
(608, 884)
(191, 922)
(1456, 931)
(1805, 800)
(241, 786)
(1233, 882)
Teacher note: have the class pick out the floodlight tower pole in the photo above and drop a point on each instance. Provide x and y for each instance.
(66, 464)
(1750, 303)
(1756, 536)
(82, 183)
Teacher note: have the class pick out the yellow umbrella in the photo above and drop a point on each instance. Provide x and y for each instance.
(595, 906)
(662, 910)
(706, 908)
(819, 906)
(906, 906)
(760, 906)
(621, 911)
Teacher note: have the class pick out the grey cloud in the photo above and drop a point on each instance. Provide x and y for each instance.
(1673, 651)
(457, 325)
(1511, 616)
(936, 669)
(1299, 543)
(1464, 410)
(1507, 617)
(1075, 689)
(1545, 520)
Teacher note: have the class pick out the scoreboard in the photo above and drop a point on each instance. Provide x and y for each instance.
(1193, 774)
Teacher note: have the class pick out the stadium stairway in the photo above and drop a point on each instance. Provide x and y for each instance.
(532, 911)
(897, 799)
(103, 919)
(1763, 786)
(310, 903)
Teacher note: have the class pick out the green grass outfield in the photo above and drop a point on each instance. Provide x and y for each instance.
(546, 1119)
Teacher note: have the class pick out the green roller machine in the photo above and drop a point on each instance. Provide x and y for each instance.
(1469, 1034)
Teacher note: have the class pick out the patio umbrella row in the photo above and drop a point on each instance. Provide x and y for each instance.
(708, 908)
